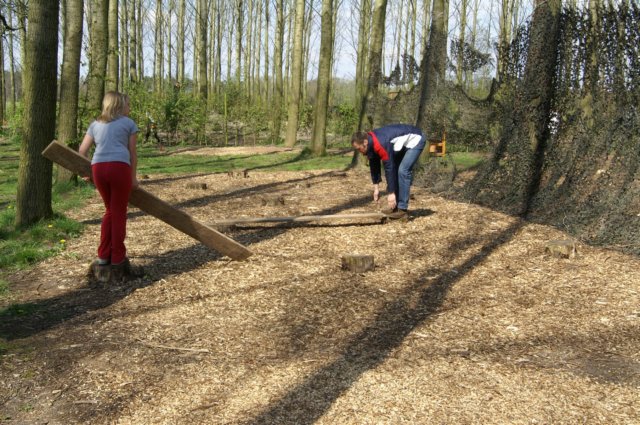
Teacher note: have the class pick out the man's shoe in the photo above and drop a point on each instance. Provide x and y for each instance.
(399, 214)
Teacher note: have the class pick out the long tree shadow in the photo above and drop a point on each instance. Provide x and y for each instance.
(23, 320)
(308, 401)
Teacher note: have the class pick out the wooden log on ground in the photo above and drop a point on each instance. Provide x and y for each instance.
(357, 263)
(76, 163)
(377, 216)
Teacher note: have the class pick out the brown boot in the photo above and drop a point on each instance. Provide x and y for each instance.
(100, 273)
(125, 271)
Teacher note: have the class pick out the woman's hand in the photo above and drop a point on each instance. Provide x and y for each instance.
(391, 200)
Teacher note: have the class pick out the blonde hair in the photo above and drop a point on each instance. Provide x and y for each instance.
(112, 106)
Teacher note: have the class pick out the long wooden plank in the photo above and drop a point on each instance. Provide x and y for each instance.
(300, 219)
(73, 161)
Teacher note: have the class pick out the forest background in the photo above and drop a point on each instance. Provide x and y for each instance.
(548, 88)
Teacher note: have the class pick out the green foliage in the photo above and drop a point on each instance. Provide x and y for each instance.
(344, 119)
(14, 120)
(305, 119)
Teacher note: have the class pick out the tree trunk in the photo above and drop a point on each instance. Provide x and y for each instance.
(124, 43)
(239, 37)
(202, 49)
(461, 40)
(113, 67)
(12, 69)
(98, 56)
(296, 78)
(361, 59)
(267, 86)
(375, 59)
(33, 200)
(504, 38)
(277, 71)
(180, 42)
(133, 44)
(319, 134)
(70, 80)
(433, 65)
(139, 26)
(158, 56)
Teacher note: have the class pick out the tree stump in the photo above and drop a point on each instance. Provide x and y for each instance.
(563, 248)
(194, 185)
(357, 263)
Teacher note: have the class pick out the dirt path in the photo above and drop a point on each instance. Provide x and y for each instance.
(465, 319)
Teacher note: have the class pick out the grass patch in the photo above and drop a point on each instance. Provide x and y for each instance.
(282, 161)
(467, 160)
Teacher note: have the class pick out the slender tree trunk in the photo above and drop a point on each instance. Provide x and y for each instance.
(98, 55)
(239, 37)
(279, 93)
(202, 50)
(306, 51)
(504, 38)
(3, 88)
(113, 68)
(70, 80)
(133, 58)
(248, 49)
(139, 27)
(182, 7)
(267, 89)
(12, 68)
(33, 200)
(362, 53)
(158, 56)
(296, 80)
(319, 133)
(124, 42)
(461, 40)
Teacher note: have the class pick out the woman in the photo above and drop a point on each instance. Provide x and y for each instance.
(113, 170)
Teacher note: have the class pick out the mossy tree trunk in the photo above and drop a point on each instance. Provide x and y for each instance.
(33, 200)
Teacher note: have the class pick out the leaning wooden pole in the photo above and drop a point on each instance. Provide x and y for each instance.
(76, 163)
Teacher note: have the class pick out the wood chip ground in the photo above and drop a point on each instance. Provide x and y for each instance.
(464, 320)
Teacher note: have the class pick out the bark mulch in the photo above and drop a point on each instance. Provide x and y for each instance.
(465, 319)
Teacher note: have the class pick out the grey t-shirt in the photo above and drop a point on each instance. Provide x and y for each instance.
(112, 139)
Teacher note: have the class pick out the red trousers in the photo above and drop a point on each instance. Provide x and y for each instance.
(113, 181)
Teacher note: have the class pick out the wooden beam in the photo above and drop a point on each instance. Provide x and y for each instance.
(76, 163)
(301, 219)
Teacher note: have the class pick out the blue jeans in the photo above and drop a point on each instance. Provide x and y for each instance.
(407, 159)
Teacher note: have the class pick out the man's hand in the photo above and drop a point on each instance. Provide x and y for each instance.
(391, 200)
(376, 193)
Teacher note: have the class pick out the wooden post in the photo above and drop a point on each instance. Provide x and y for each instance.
(358, 263)
(154, 206)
